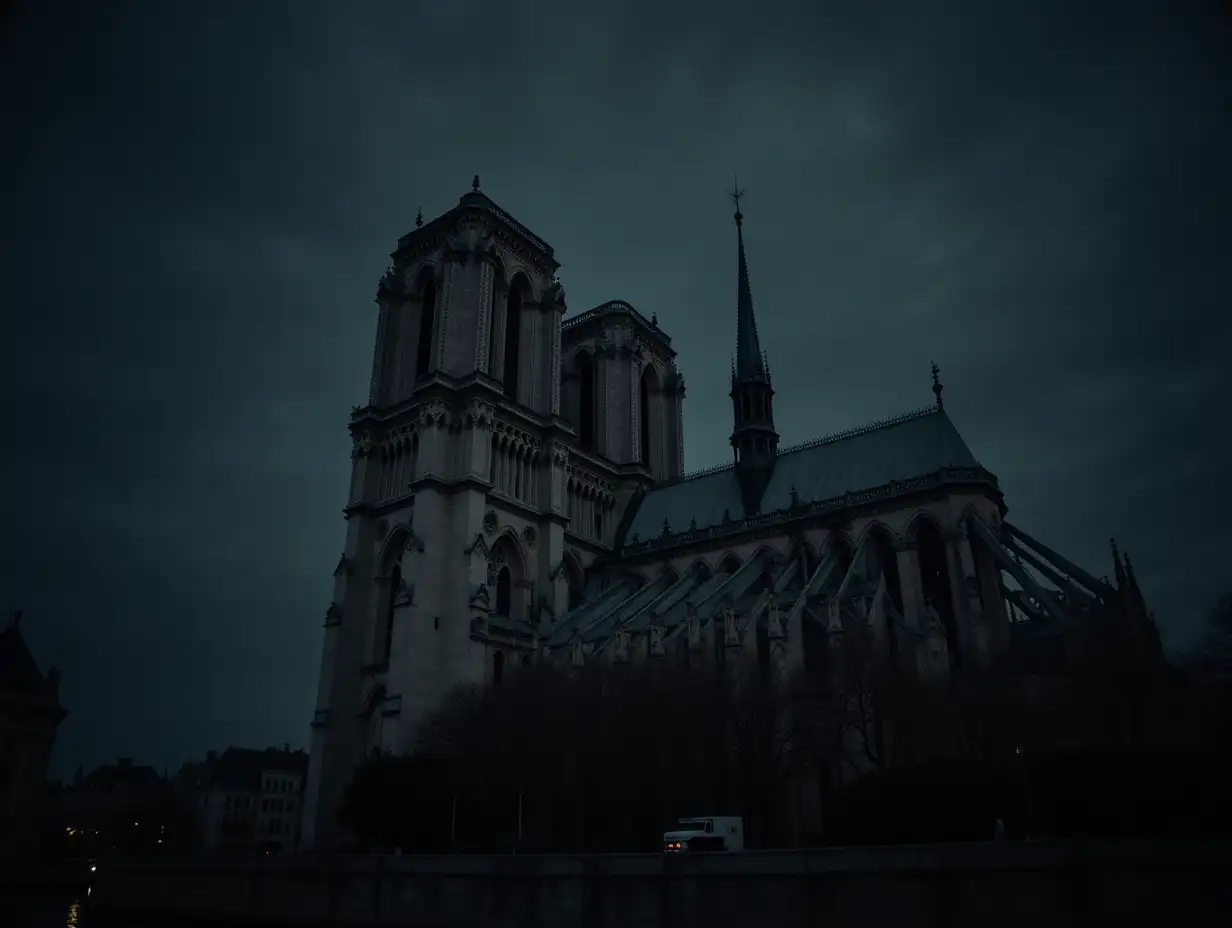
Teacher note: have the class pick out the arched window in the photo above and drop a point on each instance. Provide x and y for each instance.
(644, 406)
(513, 333)
(395, 585)
(504, 591)
(498, 667)
(586, 412)
(427, 319)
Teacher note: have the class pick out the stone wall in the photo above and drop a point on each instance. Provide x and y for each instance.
(1001, 884)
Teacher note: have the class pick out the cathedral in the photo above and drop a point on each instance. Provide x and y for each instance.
(518, 495)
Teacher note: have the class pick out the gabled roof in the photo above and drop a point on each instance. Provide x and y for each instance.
(19, 673)
(123, 777)
(913, 445)
(241, 768)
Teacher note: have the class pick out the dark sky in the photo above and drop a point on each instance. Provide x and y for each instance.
(202, 197)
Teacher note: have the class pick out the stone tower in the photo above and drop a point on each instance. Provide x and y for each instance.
(754, 440)
(457, 507)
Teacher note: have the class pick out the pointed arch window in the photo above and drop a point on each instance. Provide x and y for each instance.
(586, 374)
(513, 333)
(427, 324)
(504, 591)
(395, 586)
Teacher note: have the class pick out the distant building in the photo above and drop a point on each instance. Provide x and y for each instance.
(30, 712)
(113, 789)
(252, 801)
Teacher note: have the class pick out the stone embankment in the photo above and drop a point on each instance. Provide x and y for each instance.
(1003, 884)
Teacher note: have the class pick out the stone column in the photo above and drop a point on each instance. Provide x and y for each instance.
(483, 324)
(558, 311)
(635, 405)
(909, 582)
(963, 617)
(555, 578)
(603, 363)
(362, 464)
(965, 585)
(496, 348)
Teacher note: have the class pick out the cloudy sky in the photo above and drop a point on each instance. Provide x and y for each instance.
(202, 197)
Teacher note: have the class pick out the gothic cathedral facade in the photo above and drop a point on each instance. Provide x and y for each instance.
(517, 495)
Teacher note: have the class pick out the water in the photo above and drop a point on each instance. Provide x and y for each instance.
(50, 911)
(46, 912)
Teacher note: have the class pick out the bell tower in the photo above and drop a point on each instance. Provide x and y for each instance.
(472, 292)
(754, 440)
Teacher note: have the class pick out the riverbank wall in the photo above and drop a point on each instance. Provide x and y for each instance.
(1006, 883)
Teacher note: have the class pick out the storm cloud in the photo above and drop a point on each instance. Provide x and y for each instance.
(202, 197)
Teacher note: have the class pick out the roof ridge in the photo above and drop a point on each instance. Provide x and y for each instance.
(860, 430)
(815, 442)
(704, 472)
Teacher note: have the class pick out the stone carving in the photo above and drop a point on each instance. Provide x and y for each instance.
(471, 240)
(656, 641)
(480, 413)
(529, 536)
(731, 637)
(391, 286)
(560, 452)
(433, 412)
(362, 446)
(774, 620)
(479, 597)
(490, 524)
(554, 295)
(693, 626)
(834, 621)
(405, 594)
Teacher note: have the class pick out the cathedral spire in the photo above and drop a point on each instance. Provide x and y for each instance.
(749, 362)
(754, 440)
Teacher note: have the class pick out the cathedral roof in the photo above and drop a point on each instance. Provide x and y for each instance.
(909, 446)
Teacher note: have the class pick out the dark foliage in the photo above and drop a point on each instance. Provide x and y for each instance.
(605, 758)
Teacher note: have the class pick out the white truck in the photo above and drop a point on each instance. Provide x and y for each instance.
(705, 833)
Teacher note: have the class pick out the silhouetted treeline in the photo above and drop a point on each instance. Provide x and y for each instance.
(605, 758)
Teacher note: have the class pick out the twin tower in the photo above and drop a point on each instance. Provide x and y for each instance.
(499, 453)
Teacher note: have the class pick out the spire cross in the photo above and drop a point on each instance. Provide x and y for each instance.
(937, 388)
(736, 194)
